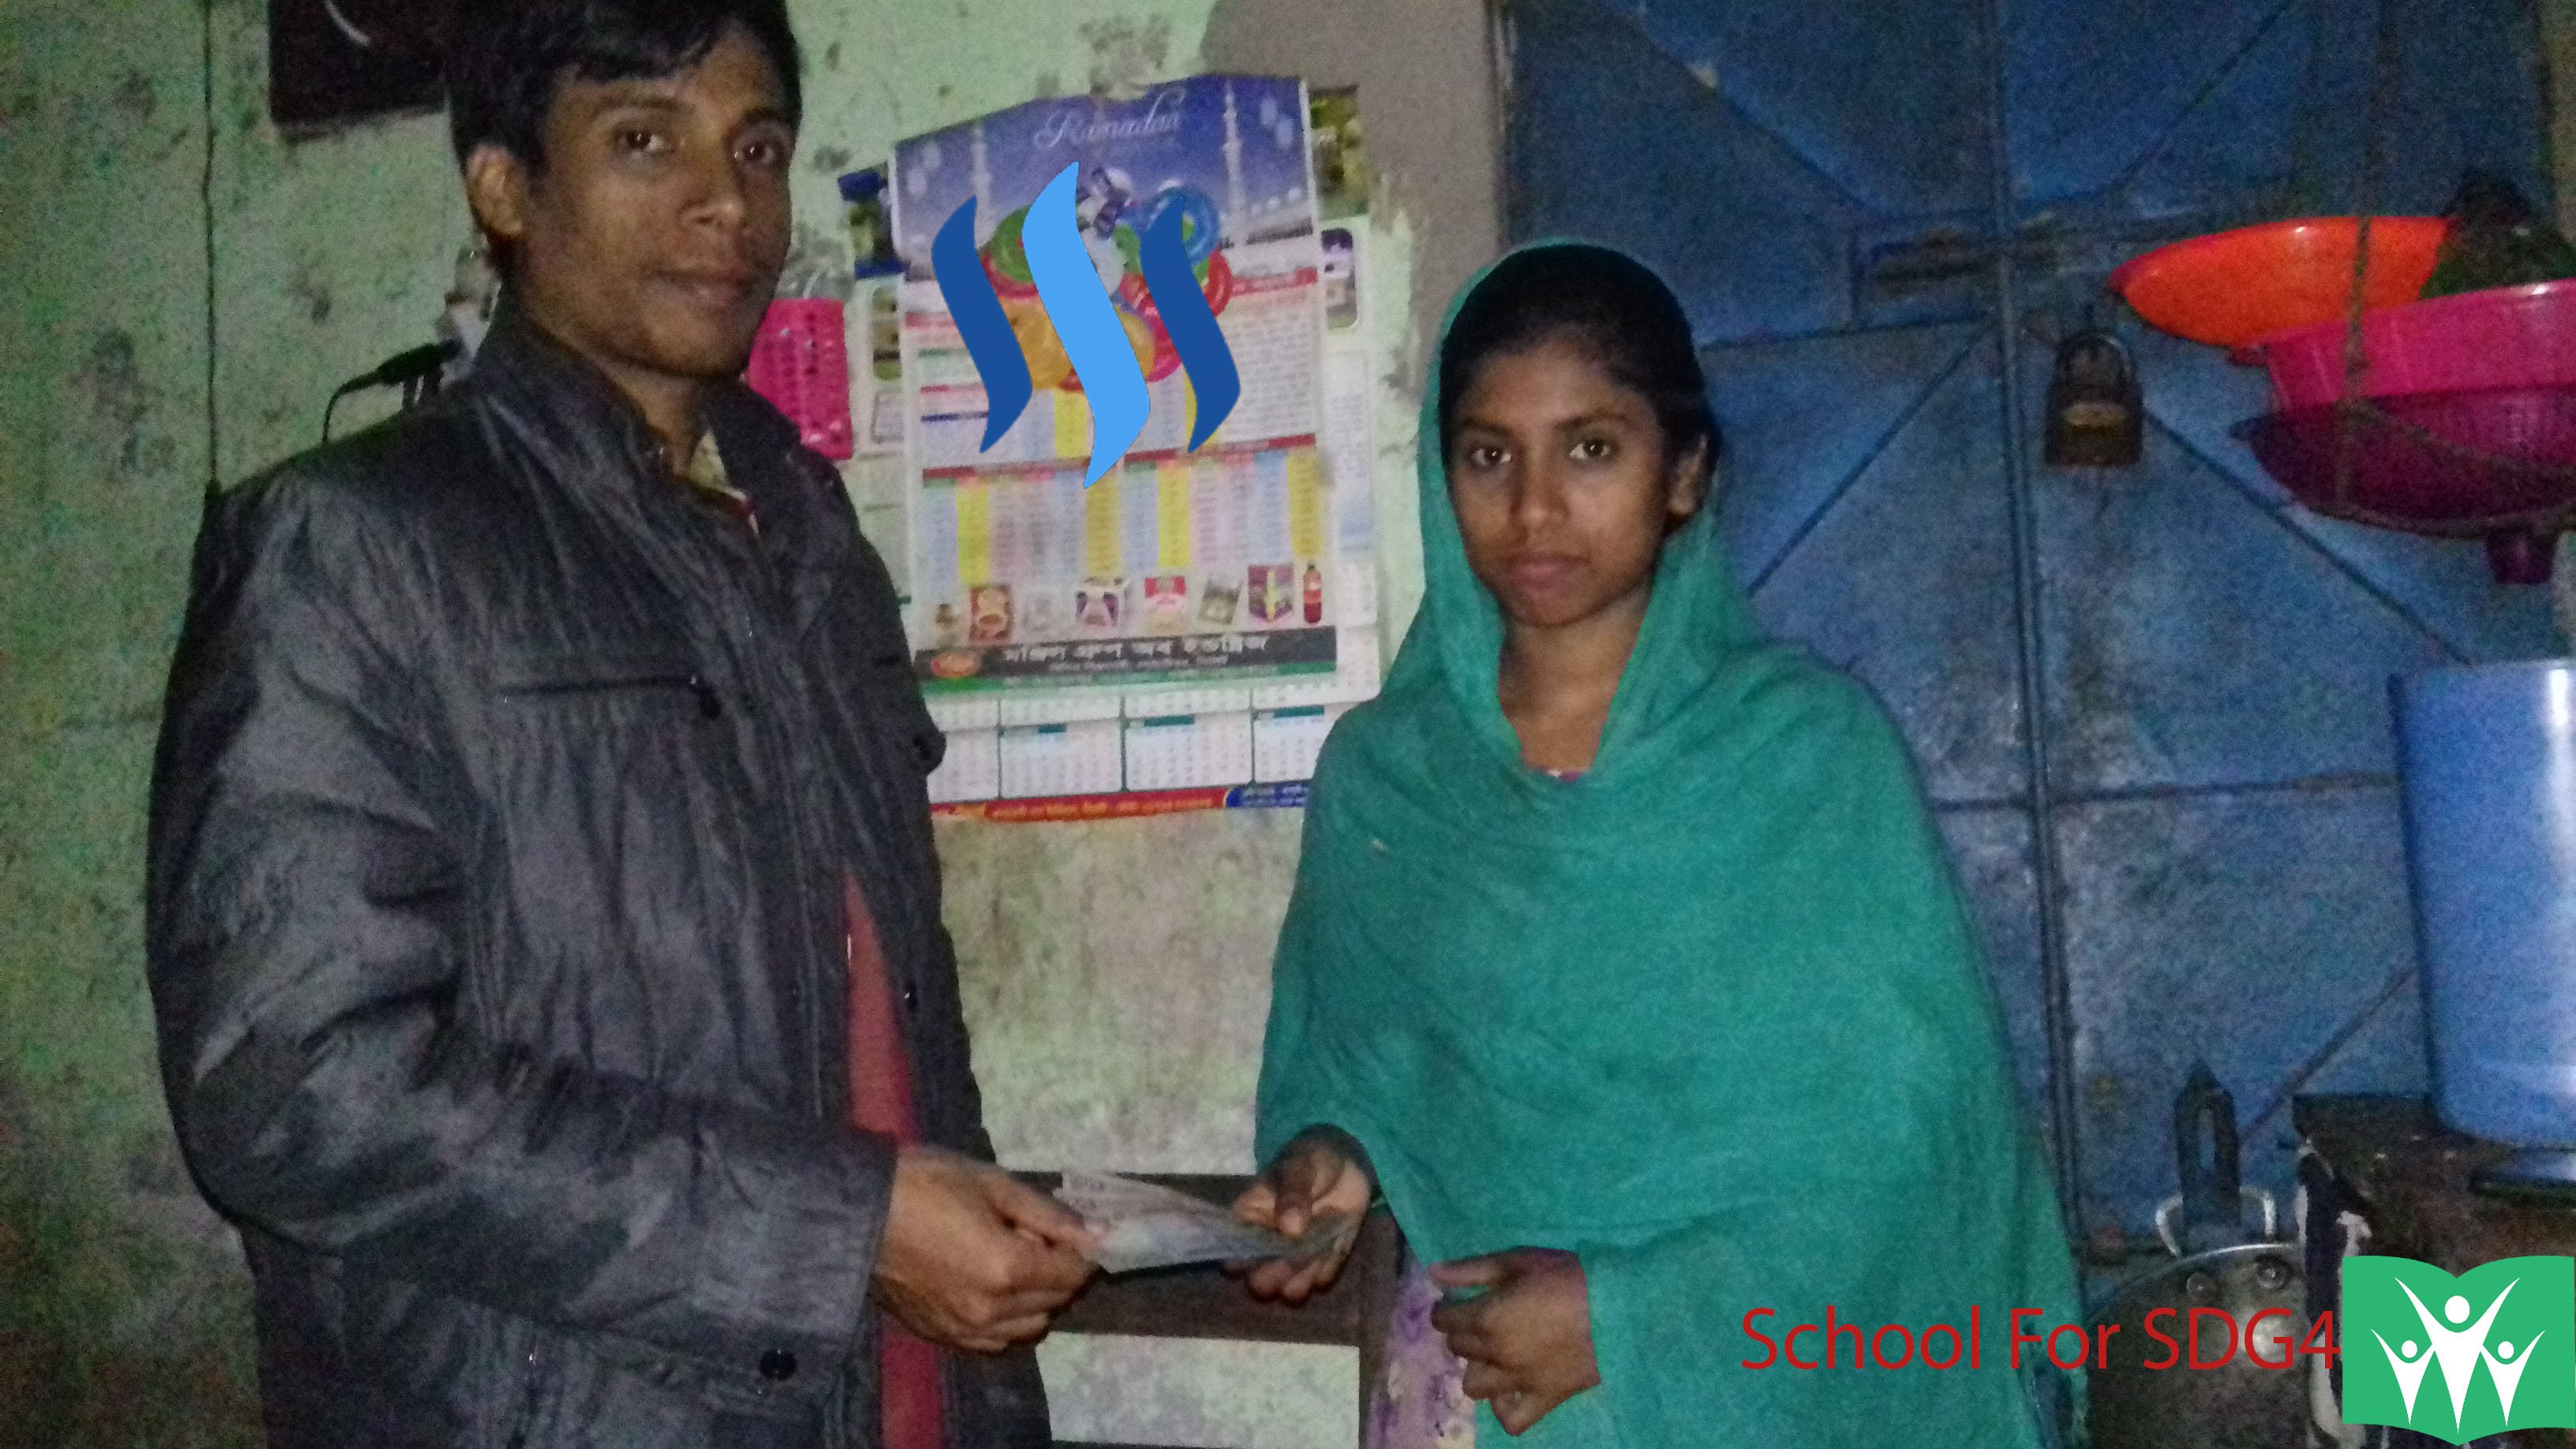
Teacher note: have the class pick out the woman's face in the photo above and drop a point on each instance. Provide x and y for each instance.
(1558, 478)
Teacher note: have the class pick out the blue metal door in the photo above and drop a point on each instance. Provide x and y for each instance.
(2150, 703)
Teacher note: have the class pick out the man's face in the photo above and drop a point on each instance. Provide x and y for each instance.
(650, 236)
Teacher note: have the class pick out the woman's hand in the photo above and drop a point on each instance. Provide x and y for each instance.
(1316, 1178)
(1527, 1338)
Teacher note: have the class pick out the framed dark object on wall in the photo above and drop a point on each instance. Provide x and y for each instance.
(332, 61)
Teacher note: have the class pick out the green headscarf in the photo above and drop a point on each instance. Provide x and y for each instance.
(1710, 1016)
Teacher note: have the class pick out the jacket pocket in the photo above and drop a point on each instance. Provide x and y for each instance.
(571, 681)
(610, 801)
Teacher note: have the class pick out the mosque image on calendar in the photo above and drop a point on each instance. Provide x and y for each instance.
(1177, 564)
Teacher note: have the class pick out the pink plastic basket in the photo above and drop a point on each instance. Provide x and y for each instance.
(801, 363)
(2508, 337)
(2495, 464)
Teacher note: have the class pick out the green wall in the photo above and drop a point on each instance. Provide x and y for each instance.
(121, 1312)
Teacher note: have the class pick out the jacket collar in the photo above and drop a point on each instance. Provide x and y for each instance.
(567, 405)
(561, 401)
(597, 443)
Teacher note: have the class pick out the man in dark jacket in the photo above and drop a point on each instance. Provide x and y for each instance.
(544, 924)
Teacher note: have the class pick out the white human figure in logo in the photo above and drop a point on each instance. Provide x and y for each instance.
(2456, 1347)
(2407, 1361)
(2507, 1366)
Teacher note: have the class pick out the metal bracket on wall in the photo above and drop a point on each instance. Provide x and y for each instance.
(1918, 255)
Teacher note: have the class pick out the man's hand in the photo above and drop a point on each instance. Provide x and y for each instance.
(1527, 1338)
(1312, 1179)
(972, 1258)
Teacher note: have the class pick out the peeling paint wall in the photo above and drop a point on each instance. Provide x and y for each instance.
(122, 1315)
(1115, 973)
(1427, 87)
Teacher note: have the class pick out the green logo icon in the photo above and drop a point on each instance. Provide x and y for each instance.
(2460, 1358)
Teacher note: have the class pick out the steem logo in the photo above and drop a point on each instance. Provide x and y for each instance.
(2498, 1338)
(1095, 338)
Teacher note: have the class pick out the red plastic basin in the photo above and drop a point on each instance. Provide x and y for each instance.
(2505, 337)
(2231, 287)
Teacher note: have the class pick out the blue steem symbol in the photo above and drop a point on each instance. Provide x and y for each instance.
(1095, 341)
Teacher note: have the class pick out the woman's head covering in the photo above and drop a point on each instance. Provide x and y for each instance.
(1622, 314)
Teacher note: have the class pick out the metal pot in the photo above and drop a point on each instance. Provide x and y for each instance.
(2251, 1293)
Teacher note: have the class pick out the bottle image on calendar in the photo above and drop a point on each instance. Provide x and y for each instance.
(1314, 592)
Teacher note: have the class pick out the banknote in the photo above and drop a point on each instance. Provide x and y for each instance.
(1146, 1225)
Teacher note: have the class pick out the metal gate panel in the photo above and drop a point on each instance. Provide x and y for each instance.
(1879, 215)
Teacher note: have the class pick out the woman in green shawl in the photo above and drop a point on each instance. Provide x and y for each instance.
(1624, 960)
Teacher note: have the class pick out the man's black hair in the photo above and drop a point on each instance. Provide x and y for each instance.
(1609, 304)
(505, 58)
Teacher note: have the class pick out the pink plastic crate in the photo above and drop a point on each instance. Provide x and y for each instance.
(801, 363)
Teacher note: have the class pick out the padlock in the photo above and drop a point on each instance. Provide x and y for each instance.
(2095, 418)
